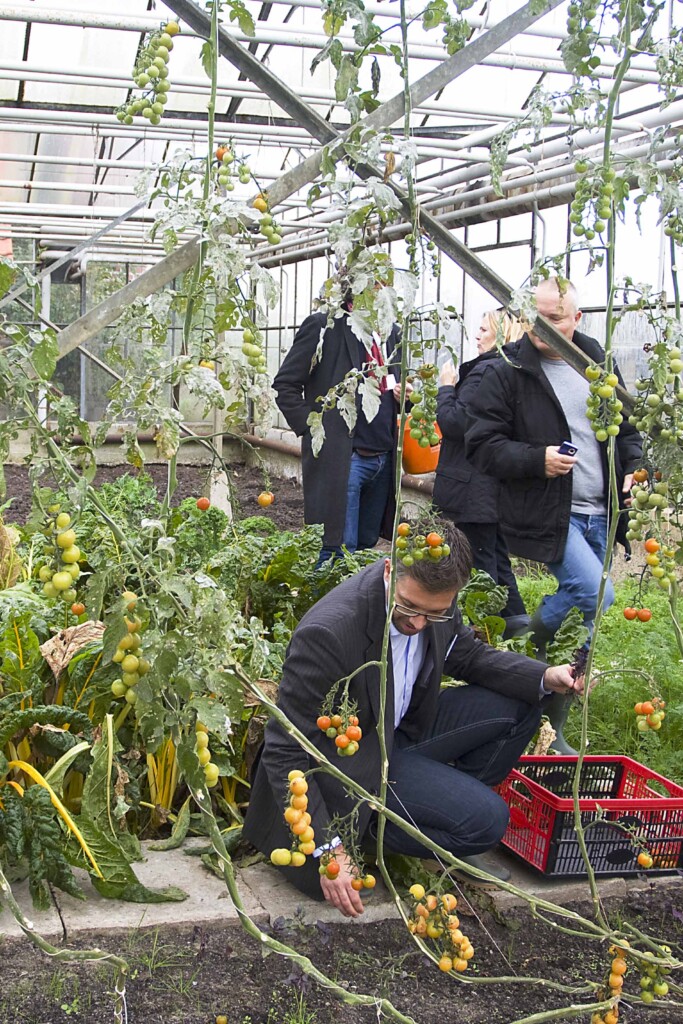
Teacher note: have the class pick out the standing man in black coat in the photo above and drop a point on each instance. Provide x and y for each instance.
(446, 748)
(554, 507)
(349, 485)
(461, 492)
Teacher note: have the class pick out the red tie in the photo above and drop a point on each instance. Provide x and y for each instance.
(377, 356)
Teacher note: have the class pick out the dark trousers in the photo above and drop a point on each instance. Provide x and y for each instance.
(443, 783)
(490, 553)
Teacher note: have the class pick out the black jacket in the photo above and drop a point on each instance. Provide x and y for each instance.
(300, 384)
(460, 489)
(513, 417)
(341, 637)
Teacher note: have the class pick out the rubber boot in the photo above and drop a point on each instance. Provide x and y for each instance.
(541, 635)
(516, 625)
(557, 712)
(557, 709)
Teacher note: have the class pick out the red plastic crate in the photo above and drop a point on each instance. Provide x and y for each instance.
(613, 791)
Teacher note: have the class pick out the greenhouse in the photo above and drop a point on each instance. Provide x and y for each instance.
(341, 417)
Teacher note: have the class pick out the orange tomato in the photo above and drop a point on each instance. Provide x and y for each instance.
(651, 545)
(265, 499)
(434, 540)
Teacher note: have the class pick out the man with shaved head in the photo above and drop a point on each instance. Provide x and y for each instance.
(553, 505)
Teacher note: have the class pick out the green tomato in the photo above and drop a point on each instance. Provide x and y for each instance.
(62, 580)
(130, 663)
(118, 688)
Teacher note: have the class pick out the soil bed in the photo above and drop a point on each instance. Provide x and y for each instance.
(190, 975)
(287, 511)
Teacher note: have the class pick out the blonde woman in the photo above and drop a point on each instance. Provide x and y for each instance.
(462, 493)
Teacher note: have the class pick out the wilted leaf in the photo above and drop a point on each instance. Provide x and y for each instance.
(60, 649)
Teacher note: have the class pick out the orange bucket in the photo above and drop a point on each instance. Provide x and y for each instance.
(416, 459)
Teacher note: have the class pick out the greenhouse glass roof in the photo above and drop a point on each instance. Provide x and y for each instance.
(68, 166)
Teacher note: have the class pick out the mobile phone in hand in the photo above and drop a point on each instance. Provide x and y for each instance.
(567, 448)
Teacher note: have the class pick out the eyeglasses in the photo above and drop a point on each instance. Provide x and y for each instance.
(413, 613)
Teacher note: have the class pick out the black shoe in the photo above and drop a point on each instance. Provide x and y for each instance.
(487, 864)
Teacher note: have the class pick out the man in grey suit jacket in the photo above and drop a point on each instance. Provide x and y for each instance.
(446, 748)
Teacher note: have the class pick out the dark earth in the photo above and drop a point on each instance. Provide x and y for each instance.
(191, 975)
(286, 511)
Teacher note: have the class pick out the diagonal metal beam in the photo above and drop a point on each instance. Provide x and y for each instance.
(94, 321)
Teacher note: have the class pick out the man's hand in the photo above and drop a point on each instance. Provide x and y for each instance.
(397, 390)
(448, 375)
(626, 488)
(556, 464)
(560, 679)
(338, 891)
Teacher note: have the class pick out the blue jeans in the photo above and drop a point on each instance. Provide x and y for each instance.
(443, 783)
(579, 572)
(367, 493)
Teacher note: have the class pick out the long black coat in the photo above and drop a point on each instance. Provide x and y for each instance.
(299, 386)
(513, 417)
(340, 633)
(460, 489)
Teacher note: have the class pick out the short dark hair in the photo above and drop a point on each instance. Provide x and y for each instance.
(439, 575)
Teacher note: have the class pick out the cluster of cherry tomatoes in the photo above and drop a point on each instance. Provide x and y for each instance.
(641, 614)
(128, 654)
(267, 226)
(660, 562)
(211, 771)
(591, 207)
(603, 407)
(252, 348)
(62, 571)
(423, 401)
(650, 714)
(151, 76)
(225, 155)
(299, 821)
(653, 984)
(433, 917)
(413, 548)
(615, 983)
(657, 409)
(648, 497)
(345, 731)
